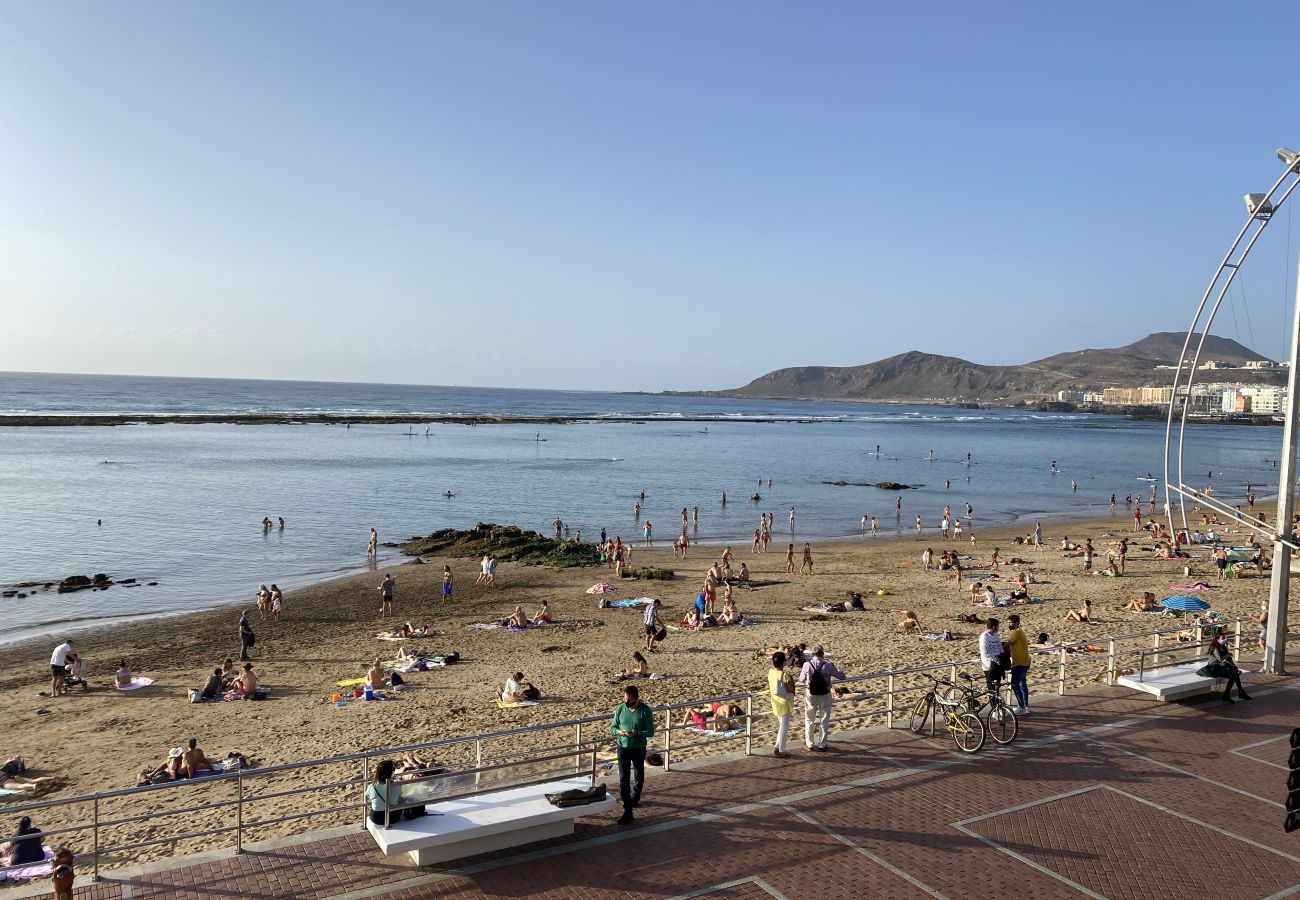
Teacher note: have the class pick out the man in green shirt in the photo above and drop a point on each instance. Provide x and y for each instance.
(632, 724)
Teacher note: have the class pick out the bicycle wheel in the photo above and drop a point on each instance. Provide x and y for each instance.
(1001, 723)
(920, 712)
(967, 732)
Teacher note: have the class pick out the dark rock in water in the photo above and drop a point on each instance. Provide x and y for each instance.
(153, 584)
(843, 483)
(100, 578)
(894, 486)
(27, 584)
(48, 585)
(21, 595)
(74, 583)
(507, 543)
(130, 581)
(8, 593)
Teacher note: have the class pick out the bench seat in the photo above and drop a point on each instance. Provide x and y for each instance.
(1171, 682)
(485, 822)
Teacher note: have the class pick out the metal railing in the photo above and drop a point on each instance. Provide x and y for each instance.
(231, 806)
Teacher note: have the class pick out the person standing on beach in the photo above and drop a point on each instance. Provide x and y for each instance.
(781, 688)
(806, 566)
(1087, 556)
(651, 625)
(246, 637)
(632, 725)
(59, 667)
(816, 677)
(874, 525)
(918, 528)
(789, 560)
(386, 596)
(1038, 536)
(649, 532)
(1018, 646)
(277, 602)
(263, 601)
(373, 546)
(990, 655)
(446, 582)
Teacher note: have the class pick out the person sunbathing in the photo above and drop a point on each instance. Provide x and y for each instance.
(169, 770)
(692, 619)
(730, 615)
(641, 669)
(411, 767)
(194, 761)
(246, 684)
(12, 781)
(518, 619)
(124, 675)
(712, 716)
(408, 654)
(1144, 604)
(405, 631)
(1083, 615)
(375, 677)
(910, 623)
(743, 577)
(543, 614)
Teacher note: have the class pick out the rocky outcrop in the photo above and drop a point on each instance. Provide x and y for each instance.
(505, 542)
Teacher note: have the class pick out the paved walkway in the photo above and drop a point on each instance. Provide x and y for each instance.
(1105, 794)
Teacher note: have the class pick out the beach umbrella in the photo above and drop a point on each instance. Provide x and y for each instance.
(1185, 603)
(603, 588)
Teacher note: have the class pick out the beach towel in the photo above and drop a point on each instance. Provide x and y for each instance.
(515, 703)
(421, 665)
(486, 626)
(980, 575)
(137, 682)
(515, 629)
(351, 682)
(937, 636)
(683, 627)
(391, 637)
(708, 733)
(41, 869)
(826, 608)
(631, 604)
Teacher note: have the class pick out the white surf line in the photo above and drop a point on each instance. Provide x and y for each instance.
(855, 846)
(1164, 765)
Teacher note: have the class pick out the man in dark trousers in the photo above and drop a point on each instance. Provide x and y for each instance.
(632, 724)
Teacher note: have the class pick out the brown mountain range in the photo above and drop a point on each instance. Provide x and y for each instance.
(917, 376)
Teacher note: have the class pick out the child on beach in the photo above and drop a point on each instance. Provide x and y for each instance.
(446, 582)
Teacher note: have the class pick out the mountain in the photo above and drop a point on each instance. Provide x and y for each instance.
(926, 376)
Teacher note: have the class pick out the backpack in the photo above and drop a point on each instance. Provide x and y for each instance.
(818, 686)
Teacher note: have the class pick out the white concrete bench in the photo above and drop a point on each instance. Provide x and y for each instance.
(467, 826)
(1171, 682)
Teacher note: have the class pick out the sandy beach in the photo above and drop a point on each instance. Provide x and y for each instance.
(99, 739)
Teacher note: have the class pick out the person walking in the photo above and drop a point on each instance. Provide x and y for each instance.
(632, 724)
(991, 655)
(1017, 644)
(386, 596)
(246, 637)
(780, 685)
(816, 678)
(651, 625)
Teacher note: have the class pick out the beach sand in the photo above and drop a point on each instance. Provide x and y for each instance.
(101, 738)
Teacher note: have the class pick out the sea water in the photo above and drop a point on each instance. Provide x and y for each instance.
(182, 505)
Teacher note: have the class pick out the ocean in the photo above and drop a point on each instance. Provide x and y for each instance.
(182, 505)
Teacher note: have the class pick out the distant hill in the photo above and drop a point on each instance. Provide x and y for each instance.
(929, 377)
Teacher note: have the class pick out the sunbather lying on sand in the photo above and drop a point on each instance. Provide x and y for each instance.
(12, 781)
(713, 716)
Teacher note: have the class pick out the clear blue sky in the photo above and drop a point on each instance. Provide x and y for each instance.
(622, 196)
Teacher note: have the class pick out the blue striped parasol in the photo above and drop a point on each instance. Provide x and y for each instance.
(1185, 603)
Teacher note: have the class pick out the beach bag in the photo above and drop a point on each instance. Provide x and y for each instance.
(661, 633)
(604, 603)
(1004, 660)
(398, 680)
(1213, 669)
(855, 602)
(413, 812)
(1043, 637)
(578, 796)
(818, 686)
(196, 696)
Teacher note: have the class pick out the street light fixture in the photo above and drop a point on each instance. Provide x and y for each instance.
(1290, 157)
(1258, 205)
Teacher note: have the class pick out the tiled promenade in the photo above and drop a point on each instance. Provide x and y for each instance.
(1105, 794)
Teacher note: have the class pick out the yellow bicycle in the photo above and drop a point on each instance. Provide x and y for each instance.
(965, 727)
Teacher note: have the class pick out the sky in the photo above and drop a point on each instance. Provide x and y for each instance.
(612, 196)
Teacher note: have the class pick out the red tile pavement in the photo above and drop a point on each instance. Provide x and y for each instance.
(1104, 788)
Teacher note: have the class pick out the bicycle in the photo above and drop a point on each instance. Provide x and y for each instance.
(965, 727)
(999, 720)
